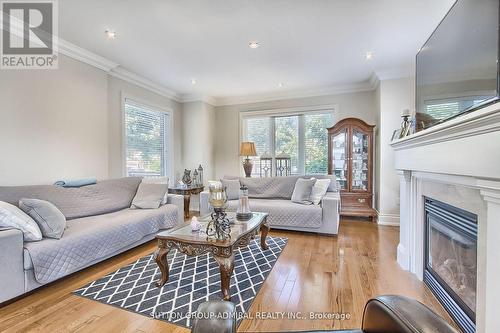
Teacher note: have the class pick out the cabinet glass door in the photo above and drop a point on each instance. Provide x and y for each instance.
(359, 153)
(339, 158)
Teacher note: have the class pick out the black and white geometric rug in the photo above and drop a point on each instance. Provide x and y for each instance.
(192, 280)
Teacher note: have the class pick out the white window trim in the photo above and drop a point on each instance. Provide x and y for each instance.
(170, 131)
(282, 112)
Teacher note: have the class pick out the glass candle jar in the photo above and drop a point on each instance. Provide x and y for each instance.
(243, 213)
(218, 196)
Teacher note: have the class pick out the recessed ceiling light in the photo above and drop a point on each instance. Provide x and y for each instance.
(110, 34)
(193, 81)
(369, 55)
(253, 45)
(281, 85)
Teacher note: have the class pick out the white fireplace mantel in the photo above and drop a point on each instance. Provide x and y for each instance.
(457, 162)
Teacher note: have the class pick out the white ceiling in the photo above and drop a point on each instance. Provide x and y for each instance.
(305, 44)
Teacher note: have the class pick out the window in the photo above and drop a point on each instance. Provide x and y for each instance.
(301, 136)
(146, 140)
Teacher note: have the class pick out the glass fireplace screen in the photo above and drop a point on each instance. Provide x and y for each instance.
(451, 252)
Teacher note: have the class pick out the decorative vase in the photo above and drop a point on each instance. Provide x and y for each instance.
(248, 166)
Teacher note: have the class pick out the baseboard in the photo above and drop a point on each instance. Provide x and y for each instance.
(402, 257)
(388, 219)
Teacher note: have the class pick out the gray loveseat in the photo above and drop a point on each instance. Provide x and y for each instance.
(99, 225)
(272, 195)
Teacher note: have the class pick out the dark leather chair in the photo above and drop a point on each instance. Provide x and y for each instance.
(382, 314)
(215, 317)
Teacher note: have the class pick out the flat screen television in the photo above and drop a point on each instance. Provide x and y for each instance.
(457, 68)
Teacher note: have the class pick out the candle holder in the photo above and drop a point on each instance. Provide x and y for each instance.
(219, 227)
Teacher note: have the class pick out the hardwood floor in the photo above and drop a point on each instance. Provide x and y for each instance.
(313, 274)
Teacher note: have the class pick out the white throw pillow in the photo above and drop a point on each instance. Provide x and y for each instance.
(149, 196)
(12, 217)
(157, 180)
(319, 190)
(302, 191)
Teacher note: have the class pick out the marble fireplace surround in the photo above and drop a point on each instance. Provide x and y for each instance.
(456, 162)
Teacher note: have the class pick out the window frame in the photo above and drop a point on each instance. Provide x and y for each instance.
(169, 134)
(285, 112)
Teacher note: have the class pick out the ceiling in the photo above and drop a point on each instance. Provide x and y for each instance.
(304, 44)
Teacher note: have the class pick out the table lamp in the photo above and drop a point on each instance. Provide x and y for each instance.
(247, 149)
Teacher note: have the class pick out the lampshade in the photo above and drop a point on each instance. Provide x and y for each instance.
(248, 149)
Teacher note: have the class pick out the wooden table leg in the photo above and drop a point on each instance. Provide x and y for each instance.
(187, 201)
(264, 229)
(226, 266)
(160, 257)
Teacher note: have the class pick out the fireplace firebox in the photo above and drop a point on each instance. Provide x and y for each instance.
(450, 265)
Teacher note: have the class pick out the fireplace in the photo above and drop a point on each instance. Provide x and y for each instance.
(450, 260)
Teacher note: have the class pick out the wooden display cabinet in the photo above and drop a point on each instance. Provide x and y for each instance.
(350, 159)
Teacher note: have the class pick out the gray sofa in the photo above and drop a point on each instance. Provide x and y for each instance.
(272, 195)
(99, 226)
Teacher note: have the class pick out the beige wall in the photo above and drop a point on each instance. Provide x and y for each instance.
(227, 137)
(53, 124)
(67, 123)
(395, 96)
(198, 137)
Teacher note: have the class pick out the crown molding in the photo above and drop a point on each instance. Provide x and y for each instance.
(186, 98)
(293, 94)
(112, 68)
(131, 77)
(395, 73)
(373, 81)
(85, 56)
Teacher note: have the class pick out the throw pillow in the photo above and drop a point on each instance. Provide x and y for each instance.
(334, 185)
(319, 190)
(49, 218)
(232, 188)
(12, 217)
(302, 191)
(157, 180)
(149, 196)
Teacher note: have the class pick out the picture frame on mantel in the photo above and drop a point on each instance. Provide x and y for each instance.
(396, 134)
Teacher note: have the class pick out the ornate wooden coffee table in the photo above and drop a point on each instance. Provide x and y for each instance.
(196, 243)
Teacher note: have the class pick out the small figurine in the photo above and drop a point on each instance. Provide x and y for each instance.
(186, 179)
(195, 224)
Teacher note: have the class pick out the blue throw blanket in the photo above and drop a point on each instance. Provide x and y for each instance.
(76, 182)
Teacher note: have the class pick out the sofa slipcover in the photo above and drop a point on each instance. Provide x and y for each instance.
(284, 213)
(100, 225)
(89, 238)
(272, 195)
(104, 197)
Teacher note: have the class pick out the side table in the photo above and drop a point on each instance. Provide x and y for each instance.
(186, 192)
